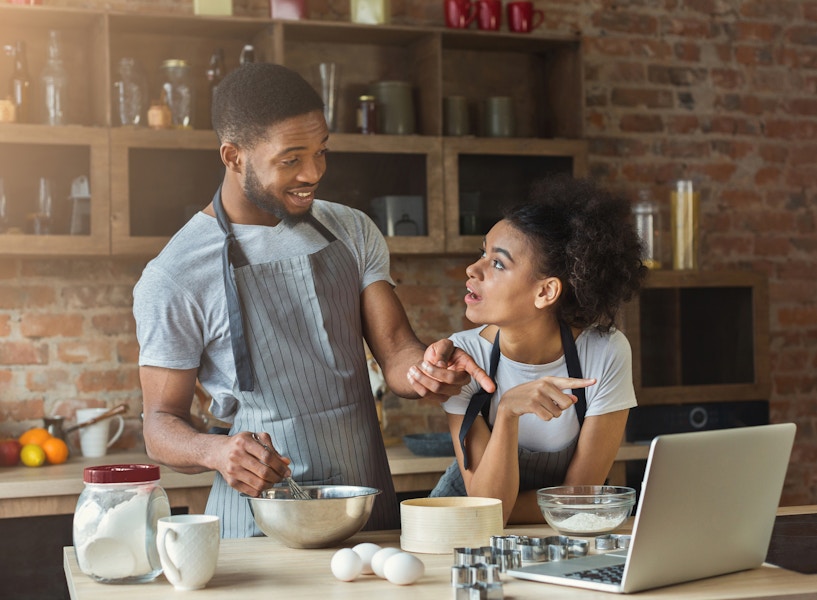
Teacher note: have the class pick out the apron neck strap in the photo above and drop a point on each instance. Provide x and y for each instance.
(480, 402)
(232, 256)
(574, 368)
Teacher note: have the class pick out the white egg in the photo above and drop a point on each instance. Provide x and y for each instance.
(379, 559)
(403, 568)
(366, 550)
(346, 565)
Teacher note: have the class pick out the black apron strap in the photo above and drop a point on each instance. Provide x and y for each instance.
(321, 228)
(574, 369)
(232, 254)
(480, 402)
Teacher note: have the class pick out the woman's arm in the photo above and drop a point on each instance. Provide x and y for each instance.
(493, 455)
(599, 441)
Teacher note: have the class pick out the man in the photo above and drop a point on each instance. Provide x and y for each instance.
(265, 296)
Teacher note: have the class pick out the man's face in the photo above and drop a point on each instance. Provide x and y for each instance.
(282, 172)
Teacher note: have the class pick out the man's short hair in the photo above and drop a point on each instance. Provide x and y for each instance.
(257, 95)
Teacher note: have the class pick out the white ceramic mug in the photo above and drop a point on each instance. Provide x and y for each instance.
(94, 440)
(188, 549)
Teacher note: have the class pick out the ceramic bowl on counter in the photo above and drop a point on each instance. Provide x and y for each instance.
(586, 510)
(332, 514)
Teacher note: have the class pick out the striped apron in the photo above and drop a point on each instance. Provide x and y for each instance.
(300, 340)
(536, 469)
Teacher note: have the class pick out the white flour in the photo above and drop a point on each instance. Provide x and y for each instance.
(113, 543)
(587, 523)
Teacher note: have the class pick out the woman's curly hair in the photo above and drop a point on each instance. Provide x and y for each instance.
(583, 235)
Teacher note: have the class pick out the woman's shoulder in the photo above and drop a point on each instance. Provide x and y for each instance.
(594, 340)
(470, 337)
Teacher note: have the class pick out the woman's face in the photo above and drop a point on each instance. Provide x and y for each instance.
(503, 283)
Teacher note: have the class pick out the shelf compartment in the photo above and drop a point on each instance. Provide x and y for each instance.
(71, 151)
(482, 175)
(84, 39)
(700, 337)
(364, 56)
(544, 80)
(159, 178)
(363, 167)
(151, 39)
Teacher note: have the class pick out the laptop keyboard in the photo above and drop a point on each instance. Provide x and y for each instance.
(611, 574)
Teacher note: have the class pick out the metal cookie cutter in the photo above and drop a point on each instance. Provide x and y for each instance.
(472, 556)
(476, 582)
(550, 548)
(613, 541)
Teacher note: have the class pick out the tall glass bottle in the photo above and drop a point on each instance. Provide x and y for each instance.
(54, 81)
(215, 71)
(20, 84)
(685, 215)
(131, 94)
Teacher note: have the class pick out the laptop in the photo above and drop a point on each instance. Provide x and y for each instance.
(707, 507)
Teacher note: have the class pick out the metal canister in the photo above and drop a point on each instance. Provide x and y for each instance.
(367, 115)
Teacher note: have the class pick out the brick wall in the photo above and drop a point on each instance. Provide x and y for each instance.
(720, 91)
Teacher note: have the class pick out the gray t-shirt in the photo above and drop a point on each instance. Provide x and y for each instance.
(179, 302)
(607, 357)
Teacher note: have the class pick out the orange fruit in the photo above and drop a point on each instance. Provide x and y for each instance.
(56, 451)
(32, 455)
(35, 435)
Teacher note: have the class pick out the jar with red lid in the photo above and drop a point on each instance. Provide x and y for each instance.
(115, 523)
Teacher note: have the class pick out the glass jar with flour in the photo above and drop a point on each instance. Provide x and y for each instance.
(115, 523)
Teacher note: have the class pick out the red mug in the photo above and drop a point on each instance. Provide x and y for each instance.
(489, 14)
(522, 18)
(459, 14)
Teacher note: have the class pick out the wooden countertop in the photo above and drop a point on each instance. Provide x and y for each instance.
(53, 489)
(261, 567)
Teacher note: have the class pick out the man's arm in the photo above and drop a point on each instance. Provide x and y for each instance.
(171, 439)
(411, 369)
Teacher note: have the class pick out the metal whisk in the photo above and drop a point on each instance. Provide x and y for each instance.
(296, 490)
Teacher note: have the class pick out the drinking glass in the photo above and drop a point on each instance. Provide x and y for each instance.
(42, 219)
(329, 73)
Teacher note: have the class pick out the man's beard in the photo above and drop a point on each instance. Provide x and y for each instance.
(262, 199)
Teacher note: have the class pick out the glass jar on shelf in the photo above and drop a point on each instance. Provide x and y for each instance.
(54, 84)
(648, 224)
(177, 87)
(19, 88)
(130, 93)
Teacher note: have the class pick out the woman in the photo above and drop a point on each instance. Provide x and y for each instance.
(545, 290)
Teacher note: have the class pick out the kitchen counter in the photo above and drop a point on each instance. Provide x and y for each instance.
(54, 489)
(263, 568)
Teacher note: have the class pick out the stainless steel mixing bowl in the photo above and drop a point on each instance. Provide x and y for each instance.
(332, 514)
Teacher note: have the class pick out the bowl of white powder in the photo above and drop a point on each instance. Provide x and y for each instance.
(586, 510)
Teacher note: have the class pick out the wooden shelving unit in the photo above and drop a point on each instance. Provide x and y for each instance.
(145, 183)
(700, 337)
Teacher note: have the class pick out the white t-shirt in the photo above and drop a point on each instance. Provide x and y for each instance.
(180, 305)
(604, 356)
